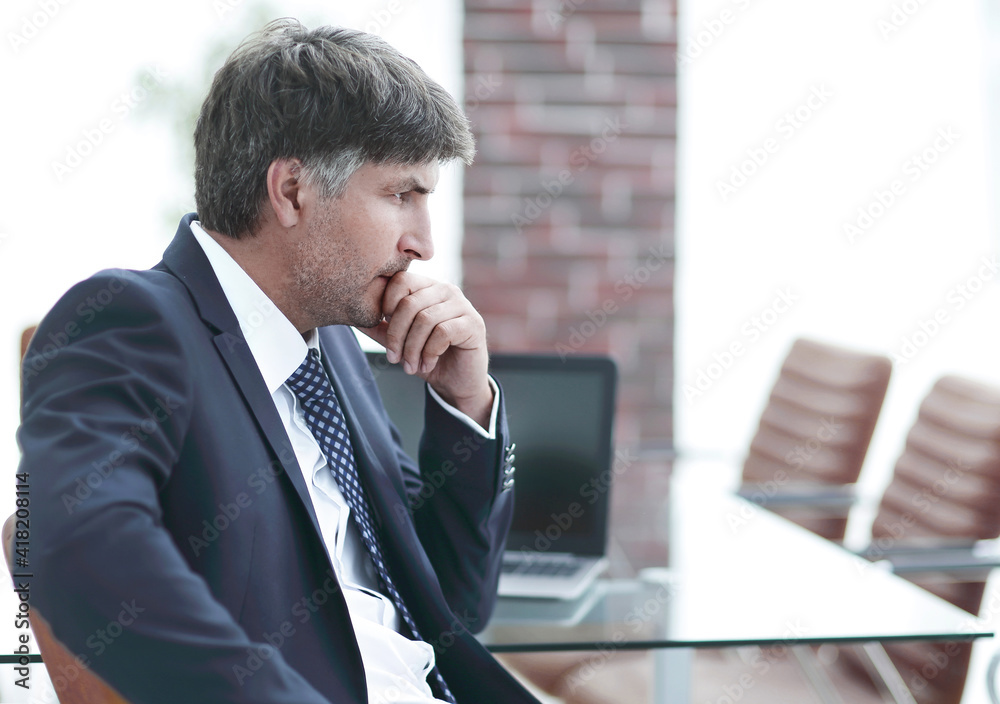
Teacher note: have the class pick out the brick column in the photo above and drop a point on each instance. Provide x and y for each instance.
(569, 207)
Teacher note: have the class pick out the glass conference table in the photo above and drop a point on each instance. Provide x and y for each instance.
(738, 575)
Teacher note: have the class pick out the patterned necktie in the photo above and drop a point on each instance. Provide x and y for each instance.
(326, 421)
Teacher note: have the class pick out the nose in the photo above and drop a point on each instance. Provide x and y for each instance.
(417, 242)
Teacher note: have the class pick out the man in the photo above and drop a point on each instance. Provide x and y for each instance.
(222, 510)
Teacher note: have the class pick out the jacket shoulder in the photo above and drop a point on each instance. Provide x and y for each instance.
(111, 294)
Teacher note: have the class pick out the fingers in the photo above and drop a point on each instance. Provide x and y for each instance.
(426, 318)
(442, 328)
(377, 333)
(401, 285)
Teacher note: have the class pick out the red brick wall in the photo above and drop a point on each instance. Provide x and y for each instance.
(569, 207)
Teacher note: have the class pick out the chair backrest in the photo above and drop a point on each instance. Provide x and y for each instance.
(817, 425)
(26, 338)
(945, 490)
(946, 483)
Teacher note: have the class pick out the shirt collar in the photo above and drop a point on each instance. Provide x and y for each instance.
(275, 344)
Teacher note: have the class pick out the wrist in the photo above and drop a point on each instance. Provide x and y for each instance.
(478, 405)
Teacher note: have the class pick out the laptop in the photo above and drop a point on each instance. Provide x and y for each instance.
(561, 415)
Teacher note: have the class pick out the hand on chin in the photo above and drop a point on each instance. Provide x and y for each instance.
(434, 331)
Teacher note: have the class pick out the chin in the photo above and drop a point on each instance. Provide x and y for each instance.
(368, 323)
(367, 318)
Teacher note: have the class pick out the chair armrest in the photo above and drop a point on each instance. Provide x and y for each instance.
(965, 559)
(806, 495)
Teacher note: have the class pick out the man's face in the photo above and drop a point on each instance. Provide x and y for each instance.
(354, 243)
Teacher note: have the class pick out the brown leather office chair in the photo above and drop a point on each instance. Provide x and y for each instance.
(943, 497)
(26, 338)
(802, 463)
(814, 433)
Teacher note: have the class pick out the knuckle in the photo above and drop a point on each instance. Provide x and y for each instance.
(446, 329)
(439, 335)
(393, 335)
(405, 305)
(423, 317)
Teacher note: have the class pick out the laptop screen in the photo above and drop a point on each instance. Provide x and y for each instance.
(560, 413)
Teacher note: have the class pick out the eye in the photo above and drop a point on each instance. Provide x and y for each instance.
(401, 197)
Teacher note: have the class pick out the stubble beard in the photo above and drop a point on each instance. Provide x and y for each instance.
(333, 283)
(333, 291)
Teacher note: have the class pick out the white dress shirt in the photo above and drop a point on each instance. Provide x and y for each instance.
(396, 667)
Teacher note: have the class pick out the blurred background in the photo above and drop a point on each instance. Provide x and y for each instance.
(685, 188)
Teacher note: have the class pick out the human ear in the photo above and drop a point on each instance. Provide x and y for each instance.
(284, 190)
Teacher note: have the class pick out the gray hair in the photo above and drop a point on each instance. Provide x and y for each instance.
(333, 98)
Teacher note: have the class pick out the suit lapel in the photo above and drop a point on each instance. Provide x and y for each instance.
(236, 353)
(186, 260)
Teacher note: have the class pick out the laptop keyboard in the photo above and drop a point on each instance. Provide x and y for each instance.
(541, 566)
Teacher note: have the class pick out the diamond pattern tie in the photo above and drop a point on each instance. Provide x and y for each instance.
(326, 421)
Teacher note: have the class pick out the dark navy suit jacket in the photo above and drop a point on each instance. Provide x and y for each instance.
(172, 540)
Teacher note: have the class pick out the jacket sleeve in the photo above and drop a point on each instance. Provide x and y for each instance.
(104, 415)
(462, 507)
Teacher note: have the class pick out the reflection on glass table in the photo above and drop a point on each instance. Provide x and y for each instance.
(738, 575)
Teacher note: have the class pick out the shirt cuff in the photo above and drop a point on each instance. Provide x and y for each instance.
(488, 433)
